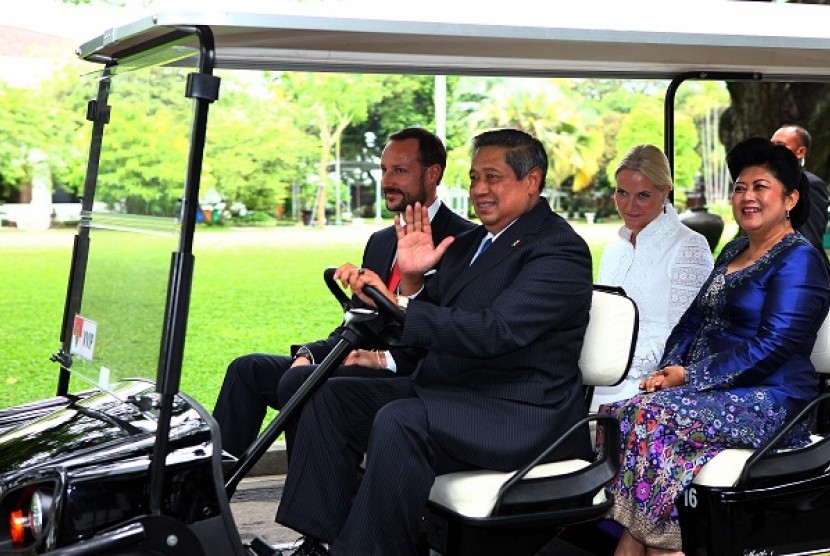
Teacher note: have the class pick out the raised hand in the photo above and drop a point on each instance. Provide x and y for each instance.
(417, 253)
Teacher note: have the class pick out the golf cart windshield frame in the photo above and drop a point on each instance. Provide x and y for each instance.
(203, 88)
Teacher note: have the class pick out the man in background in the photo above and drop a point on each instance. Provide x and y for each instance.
(798, 140)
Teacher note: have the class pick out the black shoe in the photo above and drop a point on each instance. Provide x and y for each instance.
(260, 547)
(311, 547)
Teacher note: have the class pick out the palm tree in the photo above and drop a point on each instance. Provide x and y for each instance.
(575, 146)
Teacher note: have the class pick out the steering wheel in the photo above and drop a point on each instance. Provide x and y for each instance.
(384, 305)
(344, 300)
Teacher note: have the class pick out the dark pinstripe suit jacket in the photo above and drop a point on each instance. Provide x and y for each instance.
(378, 256)
(501, 378)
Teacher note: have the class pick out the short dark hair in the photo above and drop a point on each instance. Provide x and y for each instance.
(783, 164)
(524, 152)
(431, 149)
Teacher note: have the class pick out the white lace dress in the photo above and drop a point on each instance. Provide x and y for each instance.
(663, 274)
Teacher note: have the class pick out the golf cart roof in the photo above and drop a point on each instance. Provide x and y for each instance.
(657, 40)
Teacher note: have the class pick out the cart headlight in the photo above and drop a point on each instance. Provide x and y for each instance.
(27, 510)
(36, 513)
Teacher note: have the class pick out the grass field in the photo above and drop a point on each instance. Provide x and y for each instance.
(253, 295)
(253, 290)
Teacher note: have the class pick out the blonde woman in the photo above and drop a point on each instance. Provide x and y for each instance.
(659, 262)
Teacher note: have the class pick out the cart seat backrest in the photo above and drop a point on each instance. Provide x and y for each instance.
(606, 355)
(608, 346)
(821, 350)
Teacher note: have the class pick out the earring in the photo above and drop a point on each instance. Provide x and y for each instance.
(787, 215)
(665, 203)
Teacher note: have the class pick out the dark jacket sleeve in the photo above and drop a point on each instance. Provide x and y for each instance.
(379, 250)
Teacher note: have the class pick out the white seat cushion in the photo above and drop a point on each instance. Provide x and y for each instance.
(609, 340)
(724, 469)
(473, 493)
(821, 350)
(606, 352)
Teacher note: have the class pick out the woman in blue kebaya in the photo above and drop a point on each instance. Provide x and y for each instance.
(737, 364)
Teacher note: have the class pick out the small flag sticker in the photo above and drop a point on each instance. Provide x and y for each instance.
(83, 337)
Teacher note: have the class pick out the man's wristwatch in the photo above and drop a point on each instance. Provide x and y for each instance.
(303, 351)
(402, 302)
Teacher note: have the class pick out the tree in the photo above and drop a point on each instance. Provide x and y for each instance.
(705, 101)
(407, 102)
(568, 131)
(44, 126)
(21, 138)
(759, 108)
(255, 152)
(644, 124)
(612, 100)
(147, 142)
(328, 103)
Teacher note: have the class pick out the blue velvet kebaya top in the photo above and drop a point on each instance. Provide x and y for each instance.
(756, 327)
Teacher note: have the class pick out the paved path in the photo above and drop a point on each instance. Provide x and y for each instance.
(254, 506)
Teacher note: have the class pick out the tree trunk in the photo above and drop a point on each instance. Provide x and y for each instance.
(758, 109)
(323, 175)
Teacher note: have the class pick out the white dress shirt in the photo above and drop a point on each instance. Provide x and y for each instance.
(662, 274)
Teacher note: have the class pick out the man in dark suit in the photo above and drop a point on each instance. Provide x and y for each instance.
(502, 320)
(798, 140)
(412, 164)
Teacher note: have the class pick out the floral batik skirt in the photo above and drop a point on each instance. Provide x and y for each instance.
(666, 437)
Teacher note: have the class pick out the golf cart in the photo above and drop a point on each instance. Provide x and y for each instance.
(121, 461)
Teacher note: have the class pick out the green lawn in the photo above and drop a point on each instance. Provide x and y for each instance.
(247, 296)
(32, 289)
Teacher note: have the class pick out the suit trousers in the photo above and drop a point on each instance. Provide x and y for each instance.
(324, 496)
(249, 389)
(294, 377)
(257, 381)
